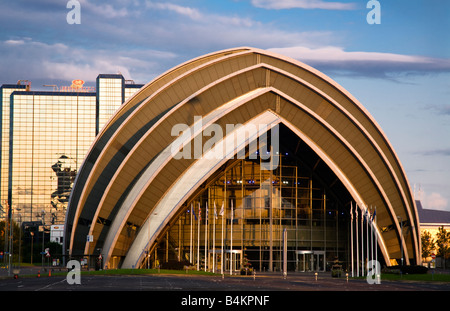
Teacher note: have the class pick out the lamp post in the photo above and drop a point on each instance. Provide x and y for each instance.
(32, 237)
(43, 232)
(401, 238)
(20, 238)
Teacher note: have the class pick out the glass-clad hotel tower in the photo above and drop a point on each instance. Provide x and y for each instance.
(44, 138)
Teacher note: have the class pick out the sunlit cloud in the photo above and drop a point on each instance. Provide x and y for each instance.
(433, 200)
(105, 10)
(192, 13)
(303, 4)
(58, 61)
(365, 63)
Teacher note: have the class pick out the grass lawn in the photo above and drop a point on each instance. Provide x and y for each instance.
(436, 277)
(428, 277)
(144, 271)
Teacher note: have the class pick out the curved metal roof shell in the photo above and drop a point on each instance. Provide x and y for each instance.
(130, 177)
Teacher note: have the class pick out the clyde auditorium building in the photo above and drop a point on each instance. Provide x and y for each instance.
(311, 181)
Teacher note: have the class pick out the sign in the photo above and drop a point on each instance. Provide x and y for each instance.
(90, 238)
(433, 256)
(77, 84)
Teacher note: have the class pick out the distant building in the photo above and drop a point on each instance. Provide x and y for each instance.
(57, 234)
(430, 221)
(45, 136)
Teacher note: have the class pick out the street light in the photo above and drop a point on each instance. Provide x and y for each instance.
(401, 237)
(43, 232)
(32, 236)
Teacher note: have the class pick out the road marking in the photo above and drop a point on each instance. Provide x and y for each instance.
(49, 285)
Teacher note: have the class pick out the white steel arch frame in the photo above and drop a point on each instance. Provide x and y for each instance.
(320, 86)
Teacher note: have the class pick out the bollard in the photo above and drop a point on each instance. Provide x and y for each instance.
(315, 275)
(254, 275)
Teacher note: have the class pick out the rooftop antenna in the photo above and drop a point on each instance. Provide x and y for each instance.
(26, 83)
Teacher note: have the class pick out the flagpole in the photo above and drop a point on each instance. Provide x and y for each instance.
(198, 237)
(223, 259)
(214, 239)
(372, 232)
(190, 247)
(351, 236)
(206, 236)
(376, 240)
(367, 235)
(357, 241)
(362, 242)
(231, 240)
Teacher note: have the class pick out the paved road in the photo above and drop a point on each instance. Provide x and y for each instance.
(262, 282)
(273, 291)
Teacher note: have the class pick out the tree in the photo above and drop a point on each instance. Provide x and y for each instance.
(4, 243)
(428, 244)
(443, 243)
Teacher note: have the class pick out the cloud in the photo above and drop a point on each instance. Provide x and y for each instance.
(193, 31)
(104, 10)
(14, 42)
(440, 109)
(192, 13)
(434, 201)
(436, 152)
(58, 61)
(374, 64)
(196, 15)
(98, 45)
(157, 27)
(302, 4)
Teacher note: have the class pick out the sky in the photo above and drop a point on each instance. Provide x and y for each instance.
(399, 68)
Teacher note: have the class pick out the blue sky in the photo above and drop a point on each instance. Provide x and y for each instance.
(399, 69)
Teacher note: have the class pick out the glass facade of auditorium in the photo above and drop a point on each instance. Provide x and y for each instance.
(258, 207)
(44, 141)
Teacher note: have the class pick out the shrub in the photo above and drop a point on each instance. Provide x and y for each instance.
(405, 270)
(174, 265)
(414, 270)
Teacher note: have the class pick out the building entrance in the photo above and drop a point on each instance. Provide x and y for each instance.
(310, 261)
(232, 260)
